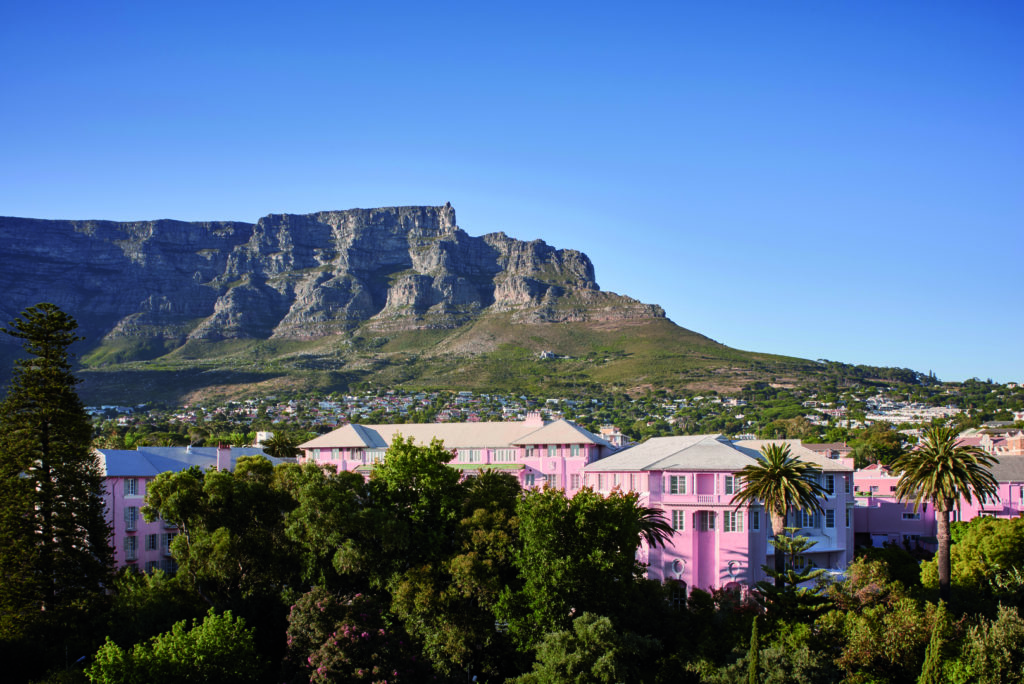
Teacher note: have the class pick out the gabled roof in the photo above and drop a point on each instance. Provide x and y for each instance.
(151, 461)
(1009, 469)
(796, 448)
(692, 452)
(493, 434)
(561, 432)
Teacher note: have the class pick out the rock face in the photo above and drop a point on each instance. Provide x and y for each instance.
(293, 276)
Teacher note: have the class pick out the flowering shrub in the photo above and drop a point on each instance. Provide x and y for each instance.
(335, 638)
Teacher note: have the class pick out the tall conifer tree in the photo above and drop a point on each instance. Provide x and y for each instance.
(54, 540)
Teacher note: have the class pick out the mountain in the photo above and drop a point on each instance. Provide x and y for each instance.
(395, 295)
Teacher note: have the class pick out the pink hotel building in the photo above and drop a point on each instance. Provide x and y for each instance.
(692, 479)
(127, 474)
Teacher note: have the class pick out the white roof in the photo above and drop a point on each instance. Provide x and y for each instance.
(151, 461)
(754, 446)
(705, 452)
(494, 435)
(691, 452)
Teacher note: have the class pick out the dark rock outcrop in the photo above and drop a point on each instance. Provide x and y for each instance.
(293, 276)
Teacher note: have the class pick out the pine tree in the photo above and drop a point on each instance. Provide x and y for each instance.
(932, 669)
(55, 554)
(754, 656)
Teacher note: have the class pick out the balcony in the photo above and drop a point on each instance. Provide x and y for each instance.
(707, 498)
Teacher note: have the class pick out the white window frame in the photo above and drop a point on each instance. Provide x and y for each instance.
(830, 484)
(755, 521)
(529, 480)
(731, 482)
(830, 519)
(732, 521)
(552, 450)
(131, 486)
(131, 548)
(678, 519)
(574, 450)
(677, 484)
(131, 518)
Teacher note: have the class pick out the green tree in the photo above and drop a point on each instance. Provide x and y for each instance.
(942, 472)
(781, 482)
(55, 556)
(934, 657)
(220, 649)
(592, 650)
(754, 656)
(577, 555)
(232, 547)
(789, 598)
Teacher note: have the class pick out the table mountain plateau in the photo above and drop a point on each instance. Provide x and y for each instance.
(323, 299)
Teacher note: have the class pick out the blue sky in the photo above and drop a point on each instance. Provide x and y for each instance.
(825, 180)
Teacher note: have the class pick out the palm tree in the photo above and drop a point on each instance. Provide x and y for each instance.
(781, 482)
(942, 472)
(282, 445)
(653, 527)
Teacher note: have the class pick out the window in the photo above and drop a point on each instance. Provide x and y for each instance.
(131, 518)
(705, 520)
(849, 516)
(574, 450)
(165, 542)
(632, 482)
(529, 479)
(529, 452)
(131, 548)
(335, 454)
(678, 520)
(873, 488)
(131, 487)
(732, 521)
(374, 456)
(151, 542)
(470, 456)
(911, 516)
(830, 518)
(574, 481)
(730, 484)
(830, 484)
(504, 455)
(616, 480)
(755, 521)
(552, 451)
(676, 484)
(600, 482)
(553, 481)
(806, 519)
(846, 484)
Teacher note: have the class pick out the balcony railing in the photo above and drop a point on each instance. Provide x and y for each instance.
(706, 498)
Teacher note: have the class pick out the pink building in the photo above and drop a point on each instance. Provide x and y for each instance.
(536, 452)
(880, 518)
(127, 474)
(715, 544)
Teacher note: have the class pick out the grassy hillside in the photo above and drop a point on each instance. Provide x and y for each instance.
(492, 353)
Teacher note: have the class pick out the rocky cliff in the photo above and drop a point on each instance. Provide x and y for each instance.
(293, 276)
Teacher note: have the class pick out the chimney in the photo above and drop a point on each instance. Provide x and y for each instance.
(533, 418)
(224, 457)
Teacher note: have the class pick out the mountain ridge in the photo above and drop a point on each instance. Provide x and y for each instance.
(178, 311)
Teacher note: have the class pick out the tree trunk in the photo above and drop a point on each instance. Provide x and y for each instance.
(779, 528)
(942, 556)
